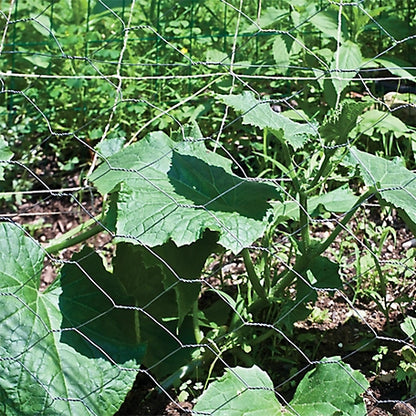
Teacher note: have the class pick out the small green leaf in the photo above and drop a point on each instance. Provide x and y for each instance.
(42, 24)
(5, 155)
(382, 121)
(331, 389)
(281, 54)
(322, 273)
(409, 327)
(398, 67)
(213, 55)
(240, 392)
(327, 22)
(270, 17)
(346, 66)
(339, 200)
(40, 373)
(259, 114)
(339, 124)
(37, 60)
(333, 386)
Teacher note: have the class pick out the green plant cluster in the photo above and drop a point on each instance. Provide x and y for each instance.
(176, 197)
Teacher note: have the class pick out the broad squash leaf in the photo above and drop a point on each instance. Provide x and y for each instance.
(240, 392)
(334, 386)
(97, 303)
(48, 367)
(176, 190)
(331, 389)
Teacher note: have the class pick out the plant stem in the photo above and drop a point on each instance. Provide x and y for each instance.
(67, 240)
(290, 167)
(303, 206)
(323, 246)
(195, 322)
(304, 221)
(302, 264)
(303, 261)
(265, 142)
(321, 172)
(252, 275)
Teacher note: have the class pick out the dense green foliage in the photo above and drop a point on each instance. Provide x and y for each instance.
(207, 131)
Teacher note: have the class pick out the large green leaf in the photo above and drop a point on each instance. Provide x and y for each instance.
(331, 389)
(41, 373)
(164, 282)
(94, 303)
(394, 183)
(259, 114)
(334, 386)
(240, 392)
(177, 190)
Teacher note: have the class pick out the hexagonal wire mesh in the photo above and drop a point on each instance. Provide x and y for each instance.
(198, 191)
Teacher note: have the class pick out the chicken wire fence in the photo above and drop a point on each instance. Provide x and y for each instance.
(196, 187)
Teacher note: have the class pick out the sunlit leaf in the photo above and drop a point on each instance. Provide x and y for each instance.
(177, 190)
(259, 113)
